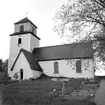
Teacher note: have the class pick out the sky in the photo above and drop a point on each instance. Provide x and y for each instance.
(40, 12)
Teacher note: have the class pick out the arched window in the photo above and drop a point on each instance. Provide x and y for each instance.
(21, 28)
(56, 67)
(19, 41)
(78, 66)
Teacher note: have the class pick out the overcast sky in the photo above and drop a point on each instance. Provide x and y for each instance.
(40, 12)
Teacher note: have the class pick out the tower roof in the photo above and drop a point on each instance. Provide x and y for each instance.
(22, 33)
(24, 21)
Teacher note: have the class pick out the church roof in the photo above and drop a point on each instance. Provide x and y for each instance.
(31, 60)
(24, 21)
(67, 51)
(24, 32)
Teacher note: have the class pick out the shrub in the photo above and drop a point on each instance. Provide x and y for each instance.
(16, 76)
(32, 79)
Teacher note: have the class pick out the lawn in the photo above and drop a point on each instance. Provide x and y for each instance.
(36, 92)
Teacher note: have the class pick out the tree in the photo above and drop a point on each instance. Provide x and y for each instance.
(5, 65)
(1, 63)
(5, 69)
(85, 19)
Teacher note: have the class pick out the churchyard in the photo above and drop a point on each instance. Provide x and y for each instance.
(48, 91)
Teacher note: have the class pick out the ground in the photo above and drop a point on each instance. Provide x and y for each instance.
(36, 92)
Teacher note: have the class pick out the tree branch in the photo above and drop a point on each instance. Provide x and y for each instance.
(101, 3)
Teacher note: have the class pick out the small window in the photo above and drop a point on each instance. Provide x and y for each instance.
(56, 67)
(33, 29)
(19, 41)
(78, 66)
(21, 28)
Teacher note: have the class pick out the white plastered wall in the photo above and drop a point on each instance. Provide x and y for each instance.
(26, 27)
(36, 74)
(30, 28)
(67, 68)
(34, 42)
(15, 48)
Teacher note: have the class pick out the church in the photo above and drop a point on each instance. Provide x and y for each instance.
(28, 60)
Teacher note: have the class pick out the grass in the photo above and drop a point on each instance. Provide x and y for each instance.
(36, 93)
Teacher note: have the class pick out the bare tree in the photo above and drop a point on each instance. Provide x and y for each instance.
(85, 20)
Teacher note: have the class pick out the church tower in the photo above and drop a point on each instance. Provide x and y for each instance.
(24, 37)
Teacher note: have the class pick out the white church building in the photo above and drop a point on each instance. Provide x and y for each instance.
(28, 60)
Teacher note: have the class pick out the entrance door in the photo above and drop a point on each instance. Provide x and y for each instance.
(21, 74)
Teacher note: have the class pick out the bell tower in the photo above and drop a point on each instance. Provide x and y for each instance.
(24, 36)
